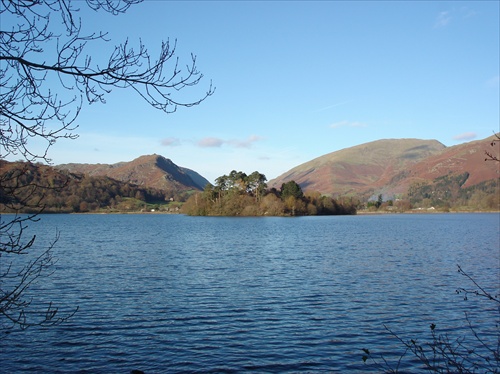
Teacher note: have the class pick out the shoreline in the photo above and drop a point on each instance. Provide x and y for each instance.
(359, 213)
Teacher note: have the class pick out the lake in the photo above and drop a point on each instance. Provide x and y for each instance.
(171, 293)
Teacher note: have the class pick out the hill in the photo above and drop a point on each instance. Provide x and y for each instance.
(148, 182)
(390, 167)
(356, 170)
(28, 187)
(410, 172)
(150, 171)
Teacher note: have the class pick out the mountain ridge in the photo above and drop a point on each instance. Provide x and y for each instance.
(152, 171)
(421, 172)
(390, 166)
(384, 166)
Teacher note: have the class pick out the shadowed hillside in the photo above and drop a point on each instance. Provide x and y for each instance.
(390, 167)
(459, 159)
(29, 187)
(409, 172)
(152, 171)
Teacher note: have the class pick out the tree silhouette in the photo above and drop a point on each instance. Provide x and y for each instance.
(47, 74)
(490, 156)
(444, 354)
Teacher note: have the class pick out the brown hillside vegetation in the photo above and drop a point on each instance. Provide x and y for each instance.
(409, 172)
(28, 187)
(150, 171)
(468, 157)
(390, 167)
(355, 170)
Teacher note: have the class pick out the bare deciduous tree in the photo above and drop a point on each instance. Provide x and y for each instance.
(47, 74)
(490, 156)
(475, 353)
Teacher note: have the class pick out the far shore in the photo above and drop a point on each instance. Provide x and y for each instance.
(359, 212)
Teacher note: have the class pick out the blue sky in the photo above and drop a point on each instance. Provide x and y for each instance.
(296, 80)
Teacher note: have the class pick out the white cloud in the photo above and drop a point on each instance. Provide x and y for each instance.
(170, 142)
(465, 136)
(336, 125)
(211, 142)
(443, 19)
(246, 143)
(467, 12)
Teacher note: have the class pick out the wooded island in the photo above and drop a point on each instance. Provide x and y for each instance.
(239, 194)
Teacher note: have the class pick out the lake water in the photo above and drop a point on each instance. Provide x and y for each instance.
(171, 293)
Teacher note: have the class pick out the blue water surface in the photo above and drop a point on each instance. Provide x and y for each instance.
(171, 293)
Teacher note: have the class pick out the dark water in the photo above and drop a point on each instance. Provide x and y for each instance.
(169, 293)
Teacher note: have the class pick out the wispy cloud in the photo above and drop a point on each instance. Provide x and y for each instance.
(211, 142)
(336, 125)
(246, 143)
(467, 12)
(465, 136)
(443, 19)
(332, 106)
(170, 142)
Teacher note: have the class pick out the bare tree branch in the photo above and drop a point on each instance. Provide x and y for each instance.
(442, 354)
(489, 155)
(47, 74)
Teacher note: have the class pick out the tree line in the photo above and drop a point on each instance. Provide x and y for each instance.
(448, 192)
(26, 187)
(239, 194)
(41, 98)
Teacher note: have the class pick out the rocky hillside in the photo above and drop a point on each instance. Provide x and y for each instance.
(390, 166)
(151, 171)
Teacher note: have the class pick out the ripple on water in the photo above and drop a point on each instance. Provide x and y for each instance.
(179, 294)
